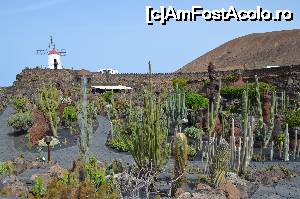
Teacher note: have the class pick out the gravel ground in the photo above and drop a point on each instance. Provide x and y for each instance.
(7, 148)
(288, 188)
(64, 156)
(282, 189)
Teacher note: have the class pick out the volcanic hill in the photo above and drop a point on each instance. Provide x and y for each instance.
(253, 51)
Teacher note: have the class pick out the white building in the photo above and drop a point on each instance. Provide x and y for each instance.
(272, 66)
(54, 59)
(108, 70)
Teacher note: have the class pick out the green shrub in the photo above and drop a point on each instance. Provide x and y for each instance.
(292, 117)
(107, 96)
(181, 82)
(38, 188)
(20, 104)
(232, 77)
(279, 138)
(193, 132)
(92, 110)
(95, 174)
(70, 114)
(193, 100)
(21, 120)
(101, 104)
(192, 151)
(232, 92)
(5, 168)
(120, 144)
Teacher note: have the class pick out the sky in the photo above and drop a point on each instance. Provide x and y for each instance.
(114, 34)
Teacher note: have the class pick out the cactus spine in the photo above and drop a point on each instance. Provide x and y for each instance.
(48, 103)
(286, 144)
(149, 135)
(180, 157)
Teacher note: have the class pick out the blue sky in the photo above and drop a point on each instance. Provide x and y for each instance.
(114, 33)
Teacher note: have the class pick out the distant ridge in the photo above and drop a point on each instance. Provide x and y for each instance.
(252, 51)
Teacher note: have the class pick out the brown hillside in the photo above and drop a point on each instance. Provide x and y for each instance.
(256, 50)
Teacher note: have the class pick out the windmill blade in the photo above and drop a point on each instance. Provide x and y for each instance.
(62, 52)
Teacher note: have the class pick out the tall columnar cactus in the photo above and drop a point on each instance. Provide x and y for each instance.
(150, 75)
(286, 144)
(298, 150)
(48, 102)
(246, 150)
(175, 108)
(272, 120)
(85, 123)
(295, 143)
(259, 110)
(232, 146)
(245, 115)
(149, 135)
(272, 151)
(213, 112)
(220, 163)
(180, 151)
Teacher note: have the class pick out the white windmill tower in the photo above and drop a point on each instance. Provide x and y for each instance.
(54, 61)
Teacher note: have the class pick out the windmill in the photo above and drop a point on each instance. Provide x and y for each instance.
(53, 55)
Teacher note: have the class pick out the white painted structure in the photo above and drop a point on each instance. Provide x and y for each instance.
(119, 87)
(272, 66)
(108, 70)
(54, 57)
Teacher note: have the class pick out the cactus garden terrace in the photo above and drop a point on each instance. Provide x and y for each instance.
(219, 134)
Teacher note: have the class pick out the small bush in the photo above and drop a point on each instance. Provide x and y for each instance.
(232, 77)
(70, 114)
(95, 174)
(20, 104)
(194, 100)
(192, 152)
(120, 145)
(21, 120)
(193, 132)
(101, 104)
(38, 188)
(181, 82)
(107, 96)
(292, 117)
(279, 138)
(4, 168)
(232, 92)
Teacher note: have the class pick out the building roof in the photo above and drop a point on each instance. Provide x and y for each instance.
(52, 52)
(119, 87)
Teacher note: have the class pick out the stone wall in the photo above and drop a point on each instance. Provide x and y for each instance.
(68, 81)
